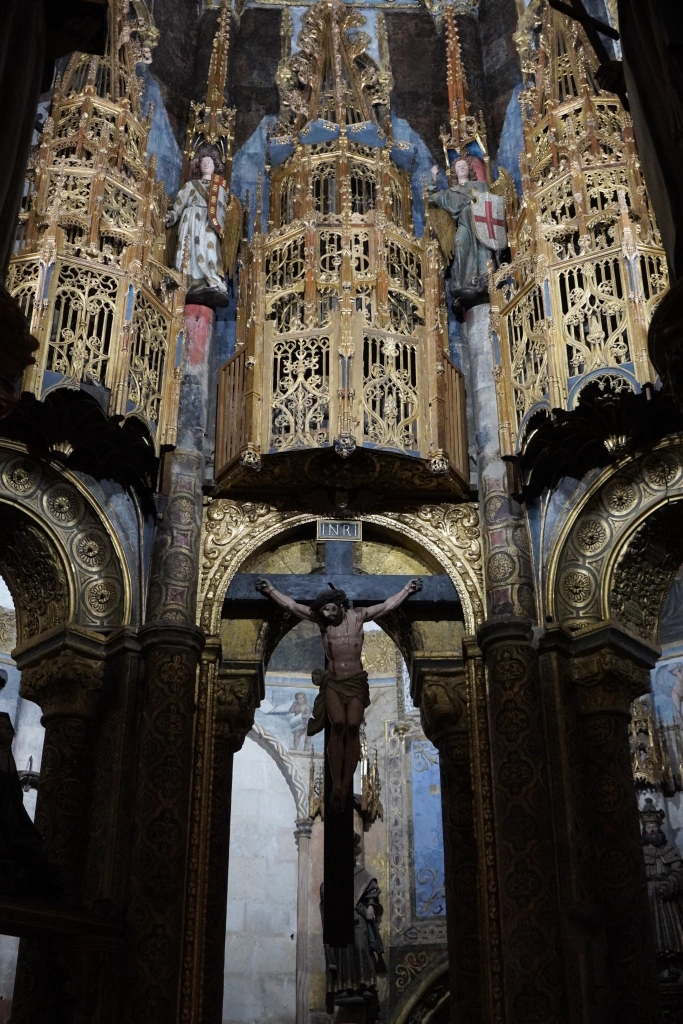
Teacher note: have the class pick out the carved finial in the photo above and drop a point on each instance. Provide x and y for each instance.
(258, 216)
(464, 128)
(286, 34)
(213, 120)
(338, 86)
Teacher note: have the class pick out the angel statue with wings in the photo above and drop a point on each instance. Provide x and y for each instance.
(469, 223)
(209, 225)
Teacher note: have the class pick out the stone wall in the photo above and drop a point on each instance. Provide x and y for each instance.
(260, 947)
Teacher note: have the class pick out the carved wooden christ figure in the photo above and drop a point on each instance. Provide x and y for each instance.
(344, 693)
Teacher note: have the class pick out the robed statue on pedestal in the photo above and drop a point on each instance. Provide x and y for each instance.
(209, 222)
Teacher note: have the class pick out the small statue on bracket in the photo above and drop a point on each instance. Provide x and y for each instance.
(664, 869)
(469, 222)
(209, 225)
(352, 971)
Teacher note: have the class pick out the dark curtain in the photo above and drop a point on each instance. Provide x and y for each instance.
(652, 44)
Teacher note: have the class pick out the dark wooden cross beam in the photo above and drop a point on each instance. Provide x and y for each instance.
(437, 600)
(436, 592)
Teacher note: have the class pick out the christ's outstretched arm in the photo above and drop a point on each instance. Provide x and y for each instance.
(377, 610)
(301, 610)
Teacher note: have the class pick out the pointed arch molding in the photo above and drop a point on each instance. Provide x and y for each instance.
(285, 763)
(232, 531)
(59, 556)
(622, 545)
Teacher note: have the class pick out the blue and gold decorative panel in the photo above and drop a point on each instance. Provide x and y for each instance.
(413, 815)
(428, 870)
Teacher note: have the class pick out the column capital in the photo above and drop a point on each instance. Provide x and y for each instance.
(506, 629)
(62, 670)
(441, 692)
(213, 649)
(609, 667)
(239, 689)
(304, 827)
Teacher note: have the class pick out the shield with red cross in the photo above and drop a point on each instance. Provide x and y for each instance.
(488, 213)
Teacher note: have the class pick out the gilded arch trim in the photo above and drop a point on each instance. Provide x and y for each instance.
(426, 994)
(74, 544)
(586, 577)
(232, 531)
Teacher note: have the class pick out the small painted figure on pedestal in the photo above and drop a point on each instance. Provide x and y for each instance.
(209, 222)
(472, 229)
(351, 971)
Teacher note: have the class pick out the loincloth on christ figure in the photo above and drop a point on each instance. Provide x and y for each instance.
(347, 688)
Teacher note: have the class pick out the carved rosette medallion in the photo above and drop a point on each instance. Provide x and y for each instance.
(622, 546)
(57, 553)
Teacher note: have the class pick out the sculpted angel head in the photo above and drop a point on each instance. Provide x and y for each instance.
(199, 165)
(462, 170)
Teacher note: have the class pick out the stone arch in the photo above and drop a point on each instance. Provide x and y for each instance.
(282, 759)
(232, 531)
(60, 559)
(427, 997)
(623, 544)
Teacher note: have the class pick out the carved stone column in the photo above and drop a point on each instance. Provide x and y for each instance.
(238, 691)
(528, 983)
(171, 647)
(609, 669)
(530, 922)
(441, 692)
(63, 673)
(304, 827)
(171, 653)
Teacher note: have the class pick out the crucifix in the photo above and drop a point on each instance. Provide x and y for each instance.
(340, 611)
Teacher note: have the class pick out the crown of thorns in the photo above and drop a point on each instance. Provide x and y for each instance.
(331, 596)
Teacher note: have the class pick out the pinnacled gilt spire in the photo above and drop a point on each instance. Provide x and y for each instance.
(213, 120)
(464, 128)
(330, 77)
(588, 269)
(89, 268)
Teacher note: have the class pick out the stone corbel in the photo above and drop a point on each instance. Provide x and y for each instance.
(610, 669)
(239, 690)
(62, 671)
(441, 695)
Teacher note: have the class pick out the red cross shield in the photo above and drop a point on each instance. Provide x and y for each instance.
(488, 213)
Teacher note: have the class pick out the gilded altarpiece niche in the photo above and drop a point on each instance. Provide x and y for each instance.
(342, 337)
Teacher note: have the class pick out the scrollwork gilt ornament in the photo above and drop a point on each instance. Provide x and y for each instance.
(232, 530)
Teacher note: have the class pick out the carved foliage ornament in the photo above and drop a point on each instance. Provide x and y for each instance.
(232, 530)
(66, 684)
